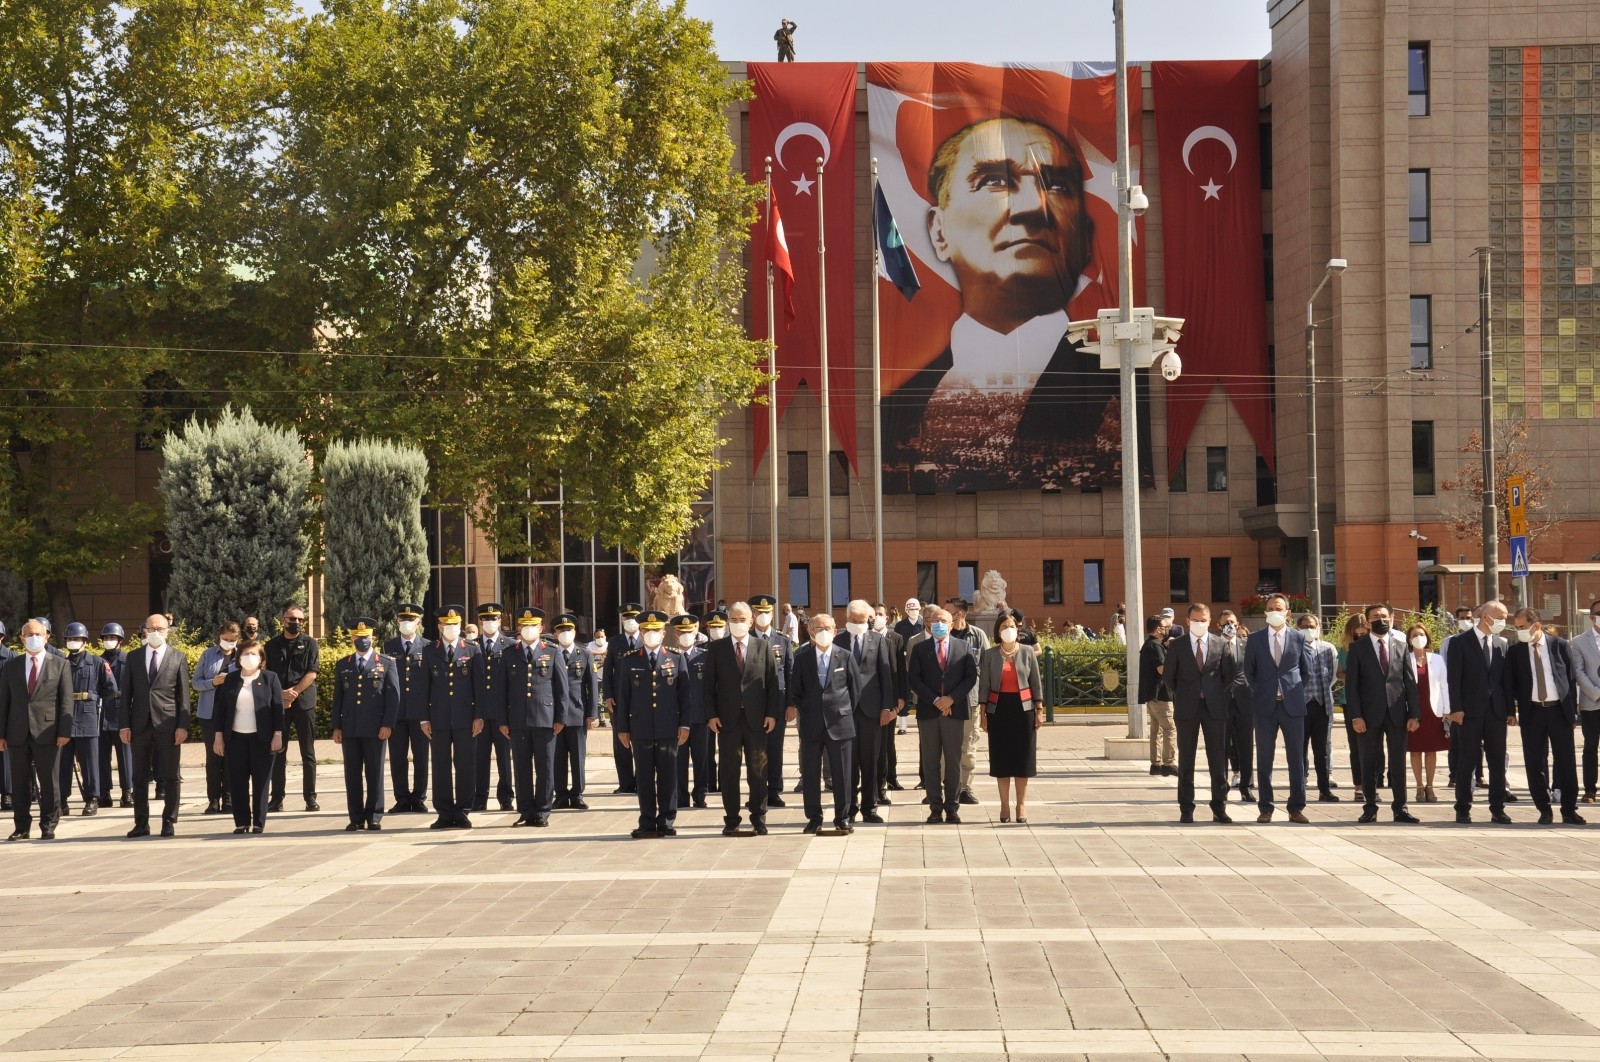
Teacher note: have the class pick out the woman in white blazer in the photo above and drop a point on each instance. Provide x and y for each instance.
(1432, 737)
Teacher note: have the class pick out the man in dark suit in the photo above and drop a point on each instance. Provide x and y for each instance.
(763, 610)
(1547, 710)
(35, 724)
(742, 702)
(824, 692)
(1380, 689)
(407, 739)
(366, 703)
(875, 706)
(155, 724)
(1275, 664)
(1481, 697)
(888, 760)
(455, 719)
(1199, 672)
(1241, 712)
(942, 673)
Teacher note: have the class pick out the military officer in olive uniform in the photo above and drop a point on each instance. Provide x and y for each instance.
(583, 703)
(366, 704)
(531, 712)
(763, 606)
(450, 665)
(407, 741)
(653, 719)
(625, 642)
(692, 753)
(94, 691)
(491, 643)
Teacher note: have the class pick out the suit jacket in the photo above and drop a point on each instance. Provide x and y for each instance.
(1287, 676)
(753, 695)
(897, 656)
(451, 687)
(957, 679)
(1520, 660)
(1200, 691)
(880, 684)
(653, 701)
(413, 681)
(162, 706)
(1586, 668)
(366, 697)
(991, 670)
(270, 717)
(825, 707)
(1377, 695)
(1478, 689)
(44, 715)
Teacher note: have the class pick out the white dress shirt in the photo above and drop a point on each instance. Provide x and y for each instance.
(985, 359)
(244, 708)
(1541, 660)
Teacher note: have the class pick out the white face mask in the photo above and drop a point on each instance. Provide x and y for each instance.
(1277, 619)
(738, 628)
(530, 634)
(912, 613)
(717, 633)
(880, 623)
(451, 633)
(408, 628)
(763, 620)
(34, 643)
(1496, 626)
(1464, 625)
(822, 640)
(856, 629)
(489, 628)
(565, 638)
(74, 645)
(250, 663)
(652, 639)
(686, 641)
(1199, 628)
(1008, 634)
(630, 625)
(228, 646)
(1419, 641)
(155, 639)
(1230, 629)
(109, 645)
(1525, 634)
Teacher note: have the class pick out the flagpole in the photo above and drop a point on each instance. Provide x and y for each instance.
(772, 403)
(877, 402)
(827, 453)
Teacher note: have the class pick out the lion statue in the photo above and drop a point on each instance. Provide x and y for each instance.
(668, 596)
(991, 593)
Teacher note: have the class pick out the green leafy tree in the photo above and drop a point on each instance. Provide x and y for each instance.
(376, 553)
(236, 492)
(520, 221)
(130, 175)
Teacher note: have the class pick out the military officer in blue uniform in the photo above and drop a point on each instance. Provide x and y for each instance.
(112, 637)
(692, 753)
(583, 703)
(366, 704)
(407, 739)
(625, 642)
(531, 712)
(94, 692)
(491, 643)
(653, 718)
(763, 606)
(450, 664)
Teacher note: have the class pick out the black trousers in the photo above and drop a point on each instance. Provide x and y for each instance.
(363, 778)
(1215, 731)
(1241, 741)
(839, 752)
(303, 721)
(572, 748)
(939, 740)
(1474, 737)
(655, 765)
(453, 766)
(888, 758)
(866, 765)
(216, 766)
(533, 764)
(775, 758)
(491, 738)
(28, 760)
(623, 759)
(1591, 749)
(155, 756)
(1547, 737)
(1319, 742)
(737, 741)
(1384, 746)
(407, 739)
(249, 759)
(85, 752)
(111, 746)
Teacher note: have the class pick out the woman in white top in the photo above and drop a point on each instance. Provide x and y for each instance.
(249, 720)
(1431, 738)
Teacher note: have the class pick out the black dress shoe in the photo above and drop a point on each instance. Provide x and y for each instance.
(730, 830)
(560, 802)
(1572, 818)
(352, 827)
(5, 803)
(257, 829)
(1170, 771)
(776, 802)
(812, 826)
(419, 806)
(1328, 796)
(872, 817)
(47, 834)
(642, 833)
(760, 828)
(125, 802)
(843, 827)
(1246, 795)
(375, 826)
(461, 823)
(1546, 818)
(578, 804)
(1407, 817)
(1185, 816)
(480, 805)
(935, 818)
(22, 835)
(167, 830)
(1368, 816)
(966, 797)
(623, 790)
(1511, 798)
(667, 831)
(539, 822)
(894, 784)
(1155, 768)
(1222, 817)
(275, 806)
(241, 829)
(400, 807)
(137, 831)
(505, 805)
(440, 823)
(1464, 818)
(91, 808)
(524, 821)
(883, 798)
(212, 809)
(1501, 818)
(699, 802)
(952, 819)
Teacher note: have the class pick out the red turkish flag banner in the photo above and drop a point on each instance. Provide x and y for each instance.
(802, 112)
(1208, 142)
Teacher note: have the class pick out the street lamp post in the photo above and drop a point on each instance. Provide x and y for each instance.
(1132, 549)
(1334, 267)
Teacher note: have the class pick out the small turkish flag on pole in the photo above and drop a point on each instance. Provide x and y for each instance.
(778, 255)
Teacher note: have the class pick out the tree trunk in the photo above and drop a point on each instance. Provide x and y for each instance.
(58, 592)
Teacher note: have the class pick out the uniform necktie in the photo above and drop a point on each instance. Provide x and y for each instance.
(1383, 654)
(566, 657)
(450, 655)
(1541, 692)
(527, 653)
(405, 648)
(33, 677)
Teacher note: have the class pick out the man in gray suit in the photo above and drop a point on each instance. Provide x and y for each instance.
(35, 722)
(1380, 690)
(1200, 673)
(824, 689)
(875, 708)
(1586, 672)
(742, 702)
(155, 724)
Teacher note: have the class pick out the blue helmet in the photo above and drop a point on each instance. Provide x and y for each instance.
(77, 630)
(113, 630)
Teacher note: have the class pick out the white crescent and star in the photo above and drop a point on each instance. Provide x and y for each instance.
(793, 129)
(1211, 132)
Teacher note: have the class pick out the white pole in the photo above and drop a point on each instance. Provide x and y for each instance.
(772, 406)
(877, 403)
(827, 436)
(1132, 553)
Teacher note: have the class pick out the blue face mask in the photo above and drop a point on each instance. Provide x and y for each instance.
(940, 629)
(363, 645)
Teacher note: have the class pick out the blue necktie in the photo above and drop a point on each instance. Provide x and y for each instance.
(822, 669)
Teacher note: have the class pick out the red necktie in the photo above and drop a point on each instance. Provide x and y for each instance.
(941, 656)
(33, 677)
(1383, 654)
(739, 648)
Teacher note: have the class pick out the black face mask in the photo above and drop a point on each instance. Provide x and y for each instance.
(251, 632)
(291, 628)
(1380, 626)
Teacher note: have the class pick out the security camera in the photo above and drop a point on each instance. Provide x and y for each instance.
(1138, 202)
(1078, 331)
(1171, 366)
(1418, 535)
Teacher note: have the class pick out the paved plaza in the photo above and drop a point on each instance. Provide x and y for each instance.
(1101, 928)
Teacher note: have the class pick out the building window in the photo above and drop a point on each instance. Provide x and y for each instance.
(966, 579)
(799, 474)
(1179, 481)
(1178, 591)
(1217, 469)
(800, 585)
(1266, 483)
(1052, 582)
(1417, 79)
(1422, 458)
(1266, 155)
(1421, 232)
(1422, 331)
(841, 585)
(1094, 574)
(1266, 260)
(838, 475)
(1427, 585)
(928, 582)
(1221, 579)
